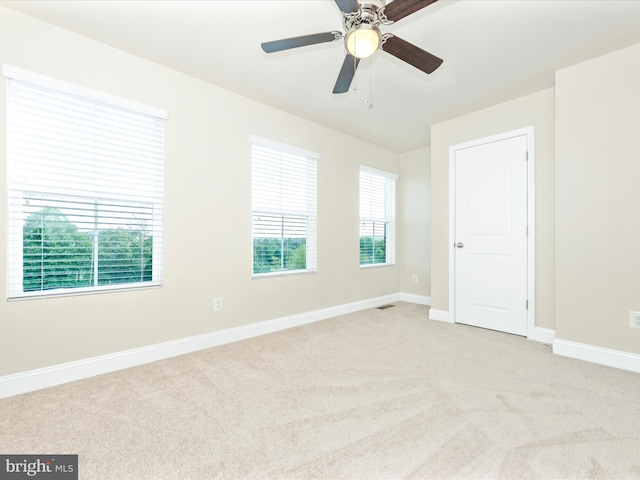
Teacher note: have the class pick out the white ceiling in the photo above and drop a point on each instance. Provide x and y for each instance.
(493, 51)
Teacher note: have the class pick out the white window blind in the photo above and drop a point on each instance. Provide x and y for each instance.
(85, 177)
(283, 184)
(377, 217)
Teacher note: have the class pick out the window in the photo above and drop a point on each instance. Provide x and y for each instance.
(85, 177)
(283, 185)
(377, 217)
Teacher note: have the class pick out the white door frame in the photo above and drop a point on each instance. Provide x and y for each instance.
(531, 274)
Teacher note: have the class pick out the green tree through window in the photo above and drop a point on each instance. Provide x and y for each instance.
(124, 256)
(56, 254)
(276, 254)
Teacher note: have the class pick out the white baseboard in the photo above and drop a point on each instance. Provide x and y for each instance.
(439, 315)
(68, 372)
(544, 335)
(413, 298)
(603, 356)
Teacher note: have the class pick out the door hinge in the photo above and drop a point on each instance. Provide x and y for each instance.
(527, 304)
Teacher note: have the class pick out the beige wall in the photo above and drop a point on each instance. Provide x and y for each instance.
(537, 110)
(598, 200)
(414, 213)
(207, 212)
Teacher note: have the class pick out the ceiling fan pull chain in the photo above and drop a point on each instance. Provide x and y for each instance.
(355, 79)
(370, 101)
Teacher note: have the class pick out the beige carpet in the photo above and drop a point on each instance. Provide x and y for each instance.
(378, 394)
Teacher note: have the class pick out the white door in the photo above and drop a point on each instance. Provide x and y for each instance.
(490, 235)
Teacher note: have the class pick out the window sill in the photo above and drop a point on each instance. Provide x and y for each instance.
(80, 292)
(260, 276)
(377, 265)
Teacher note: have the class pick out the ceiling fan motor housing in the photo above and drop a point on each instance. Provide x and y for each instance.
(362, 37)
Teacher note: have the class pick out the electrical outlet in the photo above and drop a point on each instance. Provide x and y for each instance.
(634, 319)
(217, 304)
(414, 278)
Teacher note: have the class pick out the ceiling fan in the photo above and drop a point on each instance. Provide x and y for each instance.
(362, 37)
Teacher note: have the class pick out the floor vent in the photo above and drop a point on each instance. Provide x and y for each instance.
(384, 307)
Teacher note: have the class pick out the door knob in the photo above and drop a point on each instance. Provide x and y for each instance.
(459, 244)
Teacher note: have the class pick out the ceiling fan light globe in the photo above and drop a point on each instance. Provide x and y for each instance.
(363, 42)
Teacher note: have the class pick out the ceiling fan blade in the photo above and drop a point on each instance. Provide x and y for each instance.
(348, 6)
(407, 52)
(303, 41)
(346, 74)
(401, 8)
